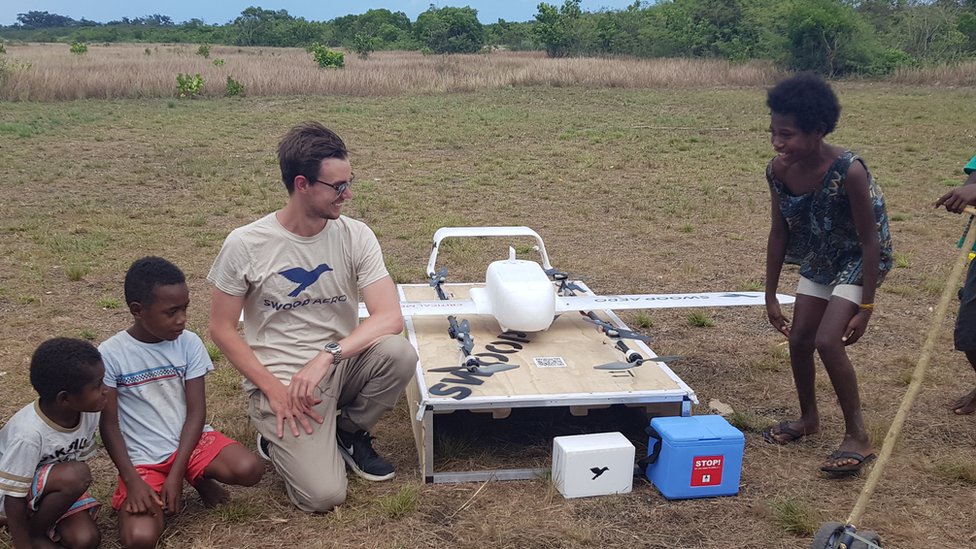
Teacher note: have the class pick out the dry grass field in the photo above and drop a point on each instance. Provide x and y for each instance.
(637, 188)
(49, 72)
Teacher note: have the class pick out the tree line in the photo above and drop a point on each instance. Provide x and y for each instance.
(833, 37)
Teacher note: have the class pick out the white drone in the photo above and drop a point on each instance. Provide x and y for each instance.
(525, 296)
(522, 296)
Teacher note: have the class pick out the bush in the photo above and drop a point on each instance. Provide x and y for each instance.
(887, 60)
(188, 86)
(218, 62)
(326, 58)
(234, 88)
(204, 51)
(2, 48)
(79, 48)
(363, 44)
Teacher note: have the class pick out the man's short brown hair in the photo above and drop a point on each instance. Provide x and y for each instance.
(302, 150)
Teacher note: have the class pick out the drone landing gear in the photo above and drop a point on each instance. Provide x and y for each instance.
(834, 535)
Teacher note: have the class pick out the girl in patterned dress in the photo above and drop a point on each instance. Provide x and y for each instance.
(828, 217)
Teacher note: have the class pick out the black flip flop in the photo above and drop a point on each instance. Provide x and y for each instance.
(846, 470)
(783, 429)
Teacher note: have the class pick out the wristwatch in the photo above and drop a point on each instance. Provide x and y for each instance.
(335, 350)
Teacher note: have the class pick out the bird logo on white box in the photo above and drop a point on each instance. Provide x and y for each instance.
(597, 471)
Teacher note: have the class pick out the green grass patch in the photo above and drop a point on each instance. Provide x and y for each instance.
(76, 272)
(643, 320)
(699, 319)
(748, 421)
(962, 470)
(794, 516)
(400, 504)
(214, 352)
(751, 286)
(236, 512)
(109, 303)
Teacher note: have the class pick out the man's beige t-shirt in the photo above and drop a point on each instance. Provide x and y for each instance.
(299, 292)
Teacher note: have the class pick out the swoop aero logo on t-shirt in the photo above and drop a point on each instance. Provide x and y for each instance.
(304, 278)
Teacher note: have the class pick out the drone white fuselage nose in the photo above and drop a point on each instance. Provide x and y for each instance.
(520, 295)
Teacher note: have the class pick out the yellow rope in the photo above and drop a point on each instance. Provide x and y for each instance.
(917, 375)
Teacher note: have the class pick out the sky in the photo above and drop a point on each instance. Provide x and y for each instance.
(221, 11)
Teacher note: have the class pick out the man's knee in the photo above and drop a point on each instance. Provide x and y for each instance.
(319, 499)
(398, 353)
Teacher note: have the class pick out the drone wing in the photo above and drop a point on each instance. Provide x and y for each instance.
(432, 308)
(664, 301)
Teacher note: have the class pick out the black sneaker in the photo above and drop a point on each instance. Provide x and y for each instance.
(357, 451)
(264, 447)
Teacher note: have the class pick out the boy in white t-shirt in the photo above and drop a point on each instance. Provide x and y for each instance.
(43, 480)
(153, 424)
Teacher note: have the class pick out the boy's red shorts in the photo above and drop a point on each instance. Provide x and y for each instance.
(210, 444)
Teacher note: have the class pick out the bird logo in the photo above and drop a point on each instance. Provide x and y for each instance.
(597, 471)
(304, 278)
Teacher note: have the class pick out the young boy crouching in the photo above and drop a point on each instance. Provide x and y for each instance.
(153, 424)
(44, 496)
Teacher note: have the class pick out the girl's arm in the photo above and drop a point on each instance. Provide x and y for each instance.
(775, 255)
(862, 211)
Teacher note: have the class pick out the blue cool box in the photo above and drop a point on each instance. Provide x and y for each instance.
(700, 457)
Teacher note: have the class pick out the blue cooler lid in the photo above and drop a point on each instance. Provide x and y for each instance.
(695, 428)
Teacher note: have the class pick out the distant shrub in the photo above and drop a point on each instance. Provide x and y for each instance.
(425, 51)
(363, 45)
(148, 51)
(79, 48)
(204, 51)
(2, 48)
(218, 62)
(326, 58)
(9, 67)
(234, 88)
(188, 86)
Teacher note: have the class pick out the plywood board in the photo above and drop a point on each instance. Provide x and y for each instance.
(557, 361)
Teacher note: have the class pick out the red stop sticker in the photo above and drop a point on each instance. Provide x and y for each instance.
(706, 470)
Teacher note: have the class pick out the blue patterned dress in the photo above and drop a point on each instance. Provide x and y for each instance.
(823, 240)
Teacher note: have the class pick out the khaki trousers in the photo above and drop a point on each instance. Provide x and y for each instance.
(363, 388)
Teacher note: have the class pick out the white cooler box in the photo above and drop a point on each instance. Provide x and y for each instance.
(592, 465)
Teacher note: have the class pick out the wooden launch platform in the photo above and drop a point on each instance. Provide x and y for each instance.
(555, 369)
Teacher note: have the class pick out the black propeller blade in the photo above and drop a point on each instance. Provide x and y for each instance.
(614, 332)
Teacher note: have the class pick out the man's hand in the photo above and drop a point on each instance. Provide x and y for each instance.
(140, 499)
(958, 198)
(281, 405)
(301, 390)
(172, 494)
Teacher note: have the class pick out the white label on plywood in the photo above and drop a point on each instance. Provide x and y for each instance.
(549, 362)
